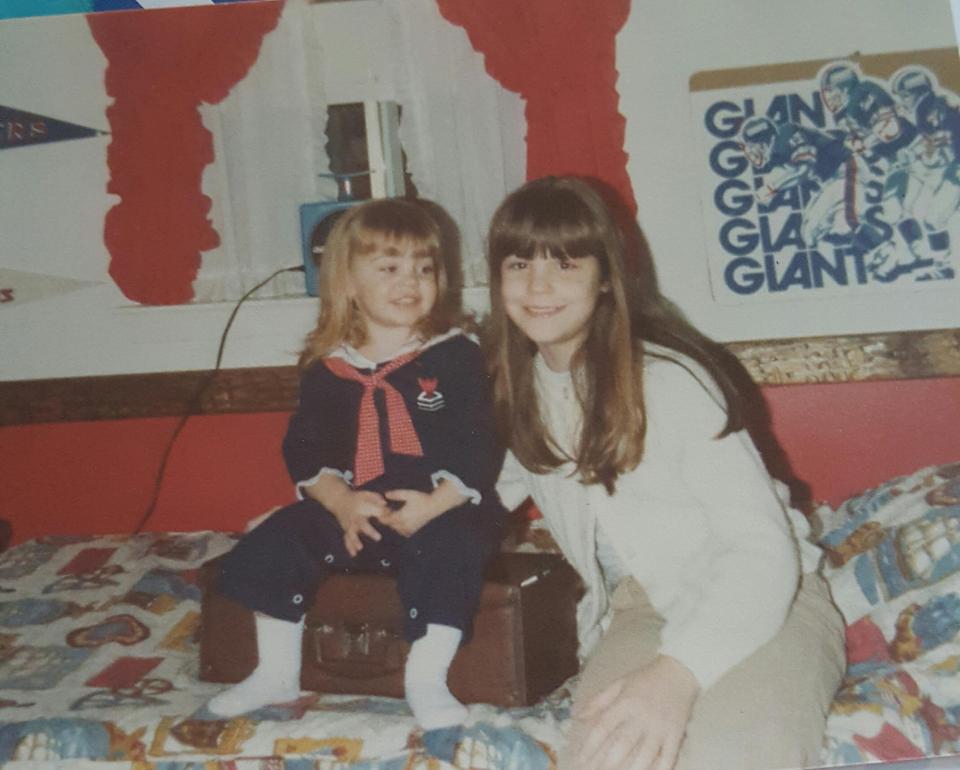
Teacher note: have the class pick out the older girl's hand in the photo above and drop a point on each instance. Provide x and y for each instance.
(638, 722)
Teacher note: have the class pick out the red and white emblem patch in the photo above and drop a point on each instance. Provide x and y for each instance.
(430, 399)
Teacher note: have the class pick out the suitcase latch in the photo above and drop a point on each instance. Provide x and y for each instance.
(357, 644)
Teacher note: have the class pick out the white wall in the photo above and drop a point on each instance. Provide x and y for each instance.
(268, 137)
(955, 8)
(661, 46)
(53, 197)
(52, 212)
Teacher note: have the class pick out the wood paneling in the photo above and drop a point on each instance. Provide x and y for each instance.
(257, 389)
(904, 355)
(900, 356)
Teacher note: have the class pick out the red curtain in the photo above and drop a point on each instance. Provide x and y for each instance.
(561, 58)
(161, 65)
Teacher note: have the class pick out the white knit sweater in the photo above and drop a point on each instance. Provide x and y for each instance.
(699, 523)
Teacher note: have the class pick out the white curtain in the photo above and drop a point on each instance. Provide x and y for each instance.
(268, 146)
(462, 132)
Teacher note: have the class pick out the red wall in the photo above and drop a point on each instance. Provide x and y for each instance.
(87, 477)
(843, 438)
(74, 478)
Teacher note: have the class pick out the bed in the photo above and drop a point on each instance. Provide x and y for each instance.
(99, 658)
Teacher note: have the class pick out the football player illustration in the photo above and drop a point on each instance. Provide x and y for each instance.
(885, 138)
(788, 155)
(865, 111)
(934, 156)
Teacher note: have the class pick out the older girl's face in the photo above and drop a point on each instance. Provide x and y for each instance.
(551, 300)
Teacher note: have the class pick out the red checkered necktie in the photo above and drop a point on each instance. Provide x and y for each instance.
(368, 463)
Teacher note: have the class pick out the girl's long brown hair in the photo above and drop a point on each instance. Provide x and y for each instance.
(567, 218)
(384, 224)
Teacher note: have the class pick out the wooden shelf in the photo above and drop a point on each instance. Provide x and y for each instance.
(853, 358)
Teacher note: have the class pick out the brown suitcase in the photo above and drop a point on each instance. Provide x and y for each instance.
(524, 641)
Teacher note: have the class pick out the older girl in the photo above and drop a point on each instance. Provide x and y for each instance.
(708, 638)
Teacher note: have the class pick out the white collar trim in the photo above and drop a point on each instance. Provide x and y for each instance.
(359, 361)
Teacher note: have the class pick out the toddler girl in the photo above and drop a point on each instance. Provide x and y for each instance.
(393, 454)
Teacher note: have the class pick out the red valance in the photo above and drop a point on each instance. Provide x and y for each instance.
(161, 66)
(561, 58)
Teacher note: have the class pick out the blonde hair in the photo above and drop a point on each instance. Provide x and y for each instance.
(567, 218)
(388, 224)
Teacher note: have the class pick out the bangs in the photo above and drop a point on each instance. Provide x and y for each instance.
(392, 226)
(558, 225)
(394, 245)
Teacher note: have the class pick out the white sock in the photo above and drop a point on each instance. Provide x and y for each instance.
(276, 679)
(425, 678)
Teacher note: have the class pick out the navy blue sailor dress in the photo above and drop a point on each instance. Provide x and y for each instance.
(276, 568)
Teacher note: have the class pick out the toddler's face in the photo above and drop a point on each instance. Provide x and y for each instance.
(394, 286)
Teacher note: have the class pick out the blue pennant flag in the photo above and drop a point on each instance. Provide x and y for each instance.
(20, 129)
(13, 9)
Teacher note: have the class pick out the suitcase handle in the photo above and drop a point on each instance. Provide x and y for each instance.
(358, 650)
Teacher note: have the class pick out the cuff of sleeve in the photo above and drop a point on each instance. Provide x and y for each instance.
(710, 658)
(347, 477)
(705, 669)
(471, 494)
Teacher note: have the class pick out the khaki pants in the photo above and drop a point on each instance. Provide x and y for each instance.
(767, 712)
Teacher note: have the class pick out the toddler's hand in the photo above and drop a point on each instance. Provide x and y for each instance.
(417, 510)
(354, 514)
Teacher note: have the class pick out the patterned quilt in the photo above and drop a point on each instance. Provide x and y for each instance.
(99, 658)
(893, 563)
(99, 661)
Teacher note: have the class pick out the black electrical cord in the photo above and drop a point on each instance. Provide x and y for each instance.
(197, 398)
